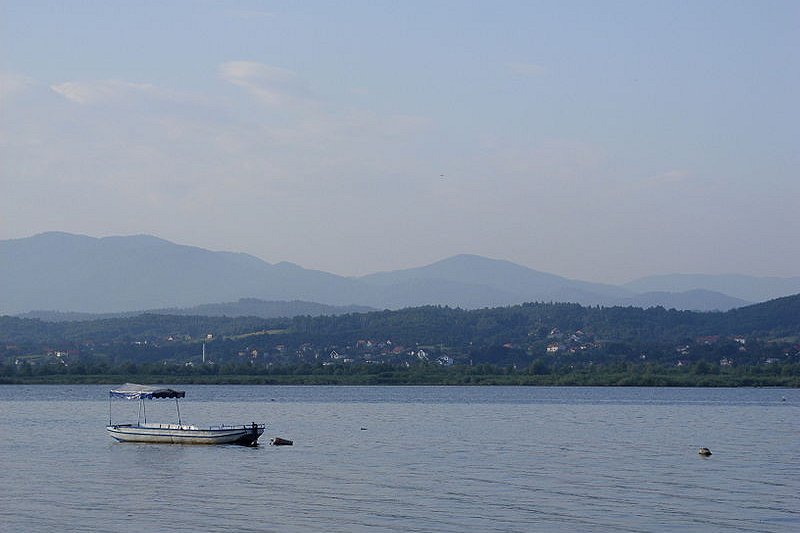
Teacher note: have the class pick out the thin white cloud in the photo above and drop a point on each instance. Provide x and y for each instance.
(327, 135)
(82, 92)
(272, 85)
(12, 83)
(112, 91)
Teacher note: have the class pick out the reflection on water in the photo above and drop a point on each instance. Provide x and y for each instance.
(429, 459)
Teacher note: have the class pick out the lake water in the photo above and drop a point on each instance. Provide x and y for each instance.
(429, 459)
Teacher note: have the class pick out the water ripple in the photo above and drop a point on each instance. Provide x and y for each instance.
(430, 459)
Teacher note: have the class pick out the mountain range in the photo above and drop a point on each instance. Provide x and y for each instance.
(76, 273)
(244, 307)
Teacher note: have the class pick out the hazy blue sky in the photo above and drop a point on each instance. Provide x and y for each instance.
(598, 140)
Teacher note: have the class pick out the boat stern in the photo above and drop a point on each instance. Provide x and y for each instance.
(250, 437)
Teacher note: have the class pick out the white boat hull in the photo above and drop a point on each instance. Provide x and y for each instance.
(180, 434)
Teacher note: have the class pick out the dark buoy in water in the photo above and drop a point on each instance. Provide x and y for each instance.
(277, 441)
(705, 452)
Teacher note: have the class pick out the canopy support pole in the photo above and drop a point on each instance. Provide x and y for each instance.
(178, 407)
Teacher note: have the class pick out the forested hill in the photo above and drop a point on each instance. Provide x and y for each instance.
(437, 325)
(779, 315)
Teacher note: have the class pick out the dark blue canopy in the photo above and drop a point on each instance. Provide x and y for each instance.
(134, 391)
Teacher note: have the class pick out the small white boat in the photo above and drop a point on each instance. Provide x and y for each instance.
(142, 431)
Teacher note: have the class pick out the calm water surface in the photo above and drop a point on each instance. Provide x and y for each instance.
(428, 459)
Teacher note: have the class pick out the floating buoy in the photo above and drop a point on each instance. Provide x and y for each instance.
(277, 441)
(705, 452)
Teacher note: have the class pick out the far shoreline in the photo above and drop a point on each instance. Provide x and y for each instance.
(611, 381)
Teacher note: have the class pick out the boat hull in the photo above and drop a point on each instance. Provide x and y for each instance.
(246, 435)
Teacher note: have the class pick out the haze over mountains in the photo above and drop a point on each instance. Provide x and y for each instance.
(244, 307)
(77, 273)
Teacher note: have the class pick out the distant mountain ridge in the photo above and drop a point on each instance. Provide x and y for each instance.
(748, 288)
(694, 299)
(245, 307)
(65, 272)
(76, 273)
(497, 282)
(503, 276)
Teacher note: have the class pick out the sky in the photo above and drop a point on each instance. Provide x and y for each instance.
(602, 141)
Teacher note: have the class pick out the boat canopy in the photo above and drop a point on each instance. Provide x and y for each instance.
(134, 391)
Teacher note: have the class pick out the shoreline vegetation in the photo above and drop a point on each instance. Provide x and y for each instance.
(629, 376)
